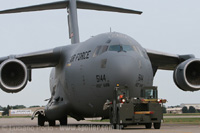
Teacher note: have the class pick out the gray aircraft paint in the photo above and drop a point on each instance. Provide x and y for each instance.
(81, 81)
(81, 88)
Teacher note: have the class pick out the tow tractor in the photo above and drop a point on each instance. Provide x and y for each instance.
(145, 110)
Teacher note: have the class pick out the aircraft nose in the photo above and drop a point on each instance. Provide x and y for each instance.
(123, 69)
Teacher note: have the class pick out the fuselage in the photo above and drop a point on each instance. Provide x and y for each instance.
(89, 71)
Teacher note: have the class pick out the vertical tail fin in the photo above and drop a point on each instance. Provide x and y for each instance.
(73, 22)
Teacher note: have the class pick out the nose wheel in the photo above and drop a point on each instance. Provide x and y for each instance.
(63, 122)
(41, 120)
(52, 123)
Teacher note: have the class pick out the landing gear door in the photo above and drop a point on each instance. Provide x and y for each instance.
(149, 92)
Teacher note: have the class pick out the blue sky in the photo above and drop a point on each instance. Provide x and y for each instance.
(170, 26)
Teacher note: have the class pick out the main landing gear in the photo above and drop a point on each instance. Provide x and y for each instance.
(42, 119)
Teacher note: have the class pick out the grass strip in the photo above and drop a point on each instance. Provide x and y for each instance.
(184, 114)
(168, 120)
(182, 120)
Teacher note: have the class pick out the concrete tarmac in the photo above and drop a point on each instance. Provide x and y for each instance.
(24, 125)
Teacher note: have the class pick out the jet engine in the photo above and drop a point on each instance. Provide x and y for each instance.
(13, 75)
(187, 75)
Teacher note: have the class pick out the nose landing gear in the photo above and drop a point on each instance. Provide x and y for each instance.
(42, 119)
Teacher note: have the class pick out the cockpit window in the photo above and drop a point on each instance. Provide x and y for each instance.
(135, 49)
(97, 50)
(138, 51)
(127, 48)
(104, 49)
(120, 48)
(100, 50)
(115, 48)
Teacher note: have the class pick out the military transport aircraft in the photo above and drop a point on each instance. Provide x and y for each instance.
(84, 74)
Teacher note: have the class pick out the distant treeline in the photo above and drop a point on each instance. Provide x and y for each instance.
(190, 110)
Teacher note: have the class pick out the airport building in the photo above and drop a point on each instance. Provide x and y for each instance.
(23, 112)
(175, 110)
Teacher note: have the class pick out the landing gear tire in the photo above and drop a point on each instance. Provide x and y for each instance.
(148, 125)
(41, 120)
(157, 125)
(52, 123)
(117, 126)
(63, 122)
(114, 126)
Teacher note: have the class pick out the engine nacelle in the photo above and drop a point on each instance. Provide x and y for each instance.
(187, 75)
(13, 75)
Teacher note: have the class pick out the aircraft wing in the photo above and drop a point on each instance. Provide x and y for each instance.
(166, 61)
(40, 59)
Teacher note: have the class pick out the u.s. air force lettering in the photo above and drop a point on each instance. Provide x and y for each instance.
(80, 56)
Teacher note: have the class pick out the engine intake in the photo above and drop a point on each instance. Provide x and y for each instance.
(187, 75)
(13, 75)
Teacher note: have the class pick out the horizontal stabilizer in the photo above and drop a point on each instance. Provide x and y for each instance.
(47, 6)
(100, 7)
(65, 4)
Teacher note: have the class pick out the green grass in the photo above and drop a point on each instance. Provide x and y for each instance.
(185, 114)
(168, 120)
(182, 120)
